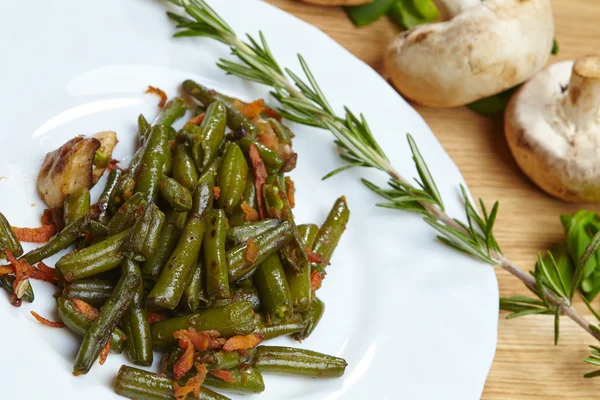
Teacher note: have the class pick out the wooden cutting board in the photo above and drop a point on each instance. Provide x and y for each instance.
(527, 364)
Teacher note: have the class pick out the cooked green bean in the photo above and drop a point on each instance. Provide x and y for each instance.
(169, 234)
(237, 217)
(99, 333)
(175, 194)
(149, 175)
(193, 295)
(215, 256)
(92, 290)
(78, 323)
(311, 318)
(246, 293)
(153, 236)
(246, 380)
(8, 238)
(100, 257)
(330, 232)
(170, 285)
(168, 166)
(141, 241)
(272, 285)
(231, 178)
(223, 359)
(135, 321)
(127, 214)
(267, 243)
(209, 174)
(308, 232)
(7, 282)
(143, 385)
(272, 160)
(240, 234)
(212, 133)
(236, 121)
(143, 128)
(171, 112)
(102, 206)
(283, 133)
(76, 205)
(300, 288)
(184, 167)
(64, 239)
(293, 325)
(299, 281)
(202, 199)
(233, 319)
(294, 254)
(291, 361)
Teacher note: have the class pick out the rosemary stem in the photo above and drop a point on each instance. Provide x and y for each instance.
(529, 281)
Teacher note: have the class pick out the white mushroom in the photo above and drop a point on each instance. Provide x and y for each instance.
(484, 50)
(67, 169)
(552, 125)
(451, 8)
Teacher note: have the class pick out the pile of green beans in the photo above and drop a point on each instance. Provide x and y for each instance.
(172, 235)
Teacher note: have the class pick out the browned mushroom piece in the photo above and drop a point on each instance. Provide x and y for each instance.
(552, 125)
(108, 141)
(67, 169)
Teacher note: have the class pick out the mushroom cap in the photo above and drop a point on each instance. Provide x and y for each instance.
(451, 8)
(552, 126)
(484, 50)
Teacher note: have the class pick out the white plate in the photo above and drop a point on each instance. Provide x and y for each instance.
(413, 319)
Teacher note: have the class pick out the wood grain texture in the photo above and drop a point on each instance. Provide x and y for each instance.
(527, 364)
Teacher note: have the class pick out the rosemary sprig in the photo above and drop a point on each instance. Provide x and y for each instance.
(302, 101)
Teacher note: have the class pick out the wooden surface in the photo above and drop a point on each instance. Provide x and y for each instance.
(527, 364)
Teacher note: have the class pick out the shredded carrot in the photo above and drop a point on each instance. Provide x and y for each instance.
(155, 317)
(197, 120)
(216, 192)
(186, 361)
(112, 165)
(250, 110)
(272, 113)
(291, 191)
(244, 342)
(20, 276)
(223, 374)
(315, 280)
(199, 340)
(260, 175)
(43, 273)
(104, 353)
(216, 343)
(314, 257)
(48, 217)
(192, 386)
(159, 93)
(250, 214)
(251, 250)
(7, 269)
(35, 235)
(83, 308)
(46, 322)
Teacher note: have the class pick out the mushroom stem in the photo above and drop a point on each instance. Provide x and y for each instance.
(451, 8)
(582, 102)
